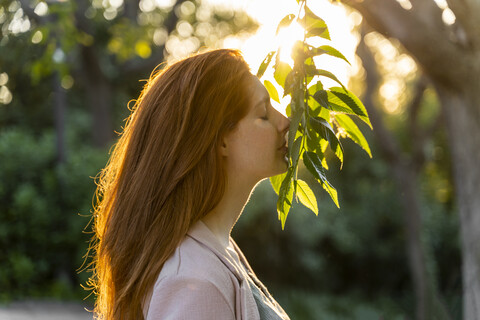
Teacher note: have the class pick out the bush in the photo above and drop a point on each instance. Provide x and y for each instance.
(40, 205)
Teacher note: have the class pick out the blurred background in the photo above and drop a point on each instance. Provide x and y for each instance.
(68, 70)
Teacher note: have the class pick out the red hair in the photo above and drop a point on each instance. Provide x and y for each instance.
(165, 173)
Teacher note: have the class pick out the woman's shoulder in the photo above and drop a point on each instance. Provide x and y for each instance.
(193, 260)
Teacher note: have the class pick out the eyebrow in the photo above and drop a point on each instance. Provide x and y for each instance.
(264, 100)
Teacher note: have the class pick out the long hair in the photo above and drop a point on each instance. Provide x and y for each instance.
(164, 174)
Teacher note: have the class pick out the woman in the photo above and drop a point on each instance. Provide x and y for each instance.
(201, 135)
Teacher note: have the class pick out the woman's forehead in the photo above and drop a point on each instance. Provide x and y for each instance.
(258, 92)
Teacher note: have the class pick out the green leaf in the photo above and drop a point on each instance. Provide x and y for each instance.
(353, 132)
(328, 74)
(313, 140)
(276, 181)
(294, 151)
(289, 84)
(315, 87)
(285, 22)
(325, 130)
(306, 196)
(282, 69)
(321, 96)
(285, 197)
(264, 64)
(333, 52)
(272, 91)
(344, 99)
(294, 123)
(314, 165)
(312, 51)
(314, 25)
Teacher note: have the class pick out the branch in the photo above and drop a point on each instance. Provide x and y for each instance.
(468, 28)
(431, 46)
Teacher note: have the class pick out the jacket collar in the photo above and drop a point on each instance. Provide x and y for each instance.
(229, 256)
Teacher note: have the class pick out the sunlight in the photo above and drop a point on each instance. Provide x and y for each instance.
(286, 39)
(268, 14)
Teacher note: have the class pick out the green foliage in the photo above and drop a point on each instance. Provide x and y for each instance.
(314, 113)
(40, 207)
(343, 264)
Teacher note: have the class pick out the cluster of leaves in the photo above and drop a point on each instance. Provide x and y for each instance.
(319, 116)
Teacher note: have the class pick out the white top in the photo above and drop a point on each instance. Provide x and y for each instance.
(203, 281)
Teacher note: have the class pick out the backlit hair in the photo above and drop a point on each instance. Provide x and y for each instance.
(164, 174)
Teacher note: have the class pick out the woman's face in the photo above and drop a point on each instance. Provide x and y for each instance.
(256, 148)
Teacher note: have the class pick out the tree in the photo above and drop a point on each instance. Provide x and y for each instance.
(98, 45)
(71, 67)
(449, 56)
(406, 167)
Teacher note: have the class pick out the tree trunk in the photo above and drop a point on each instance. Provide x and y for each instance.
(99, 97)
(463, 125)
(59, 110)
(405, 168)
(407, 184)
(450, 56)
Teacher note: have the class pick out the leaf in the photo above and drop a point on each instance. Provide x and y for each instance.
(325, 130)
(333, 52)
(294, 123)
(306, 196)
(285, 197)
(264, 64)
(328, 74)
(314, 165)
(314, 25)
(313, 140)
(289, 84)
(353, 132)
(272, 91)
(312, 52)
(276, 182)
(282, 69)
(343, 98)
(285, 22)
(321, 97)
(294, 151)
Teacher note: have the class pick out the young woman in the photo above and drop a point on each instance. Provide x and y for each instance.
(201, 135)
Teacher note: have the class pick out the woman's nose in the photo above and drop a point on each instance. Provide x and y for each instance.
(284, 124)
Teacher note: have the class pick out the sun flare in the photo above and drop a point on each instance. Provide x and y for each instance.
(286, 39)
(268, 14)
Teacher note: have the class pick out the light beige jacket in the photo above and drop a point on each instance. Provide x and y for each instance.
(204, 281)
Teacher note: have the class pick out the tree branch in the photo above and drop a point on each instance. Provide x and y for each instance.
(468, 28)
(432, 47)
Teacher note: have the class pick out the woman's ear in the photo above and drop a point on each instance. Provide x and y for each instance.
(224, 147)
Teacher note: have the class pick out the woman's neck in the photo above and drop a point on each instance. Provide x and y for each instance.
(221, 220)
